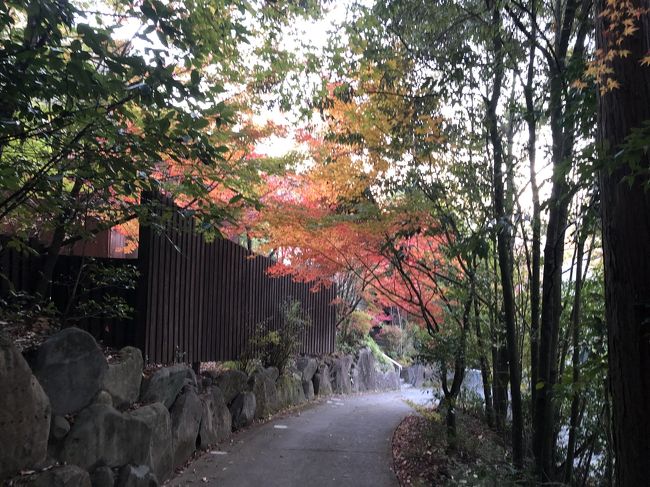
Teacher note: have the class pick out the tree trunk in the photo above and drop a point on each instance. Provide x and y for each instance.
(544, 419)
(575, 362)
(531, 123)
(500, 382)
(450, 396)
(459, 375)
(625, 207)
(485, 368)
(54, 249)
(503, 245)
(609, 443)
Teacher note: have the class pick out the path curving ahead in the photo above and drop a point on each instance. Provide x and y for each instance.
(342, 441)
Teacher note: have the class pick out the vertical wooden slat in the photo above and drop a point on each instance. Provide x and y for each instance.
(202, 338)
(222, 298)
(179, 285)
(229, 332)
(206, 302)
(170, 278)
(219, 297)
(185, 323)
(241, 299)
(189, 325)
(144, 289)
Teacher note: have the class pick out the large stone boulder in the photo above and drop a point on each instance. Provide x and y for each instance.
(70, 367)
(416, 375)
(63, 476)
(136, 476)
(366, 375)
(102, 436)
(158, 454)
(186, 414)
(388, 381)
(266, 395)
(308, 389)
(24, 413)
(321, 381)
(59, 427)
(102, 477)
(404, 374)
(216, 421)
(432, 375)
(123, 378)
(165, 384)
(472, 384)
(307, 366)
(272, 372)
(290, 391)
(340, 375)
(242, 410)
(231, 383)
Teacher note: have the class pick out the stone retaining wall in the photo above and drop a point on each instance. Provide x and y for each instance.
(77, 420)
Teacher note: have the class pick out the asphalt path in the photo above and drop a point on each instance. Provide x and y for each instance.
(339, 441)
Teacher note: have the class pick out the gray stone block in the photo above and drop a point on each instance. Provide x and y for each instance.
(123, 378)
(24, 413)
(70, 367)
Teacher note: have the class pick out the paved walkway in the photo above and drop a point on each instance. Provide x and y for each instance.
(342, 441)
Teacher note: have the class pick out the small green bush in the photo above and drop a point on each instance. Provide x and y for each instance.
(353, 331)
(276, 348)
(391, 338)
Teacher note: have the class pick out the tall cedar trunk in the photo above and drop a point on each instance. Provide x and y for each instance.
(503, 242)
(626, 244)
(575, 363)
(609, 441)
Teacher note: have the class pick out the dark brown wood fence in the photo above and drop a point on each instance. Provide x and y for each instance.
(195, 301)
(202, 301)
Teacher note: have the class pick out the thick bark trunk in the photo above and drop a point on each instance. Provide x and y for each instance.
(609, 444)
(626, 239)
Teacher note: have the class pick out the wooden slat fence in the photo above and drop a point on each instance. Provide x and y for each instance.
(202, 301)
(195, 301)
